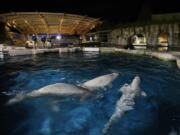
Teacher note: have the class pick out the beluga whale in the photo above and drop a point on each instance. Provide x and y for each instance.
(65, 90)
(125, 102)
(54, 91)
(100, 82)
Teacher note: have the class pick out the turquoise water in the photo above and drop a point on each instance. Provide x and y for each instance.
(156, 114)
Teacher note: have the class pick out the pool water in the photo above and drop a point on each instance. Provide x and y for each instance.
(156, 114)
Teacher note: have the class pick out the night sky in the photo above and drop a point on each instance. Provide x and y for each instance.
(110, 10)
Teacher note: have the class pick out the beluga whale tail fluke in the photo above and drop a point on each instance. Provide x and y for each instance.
(18, 98)
(100, 82)
(125, 103)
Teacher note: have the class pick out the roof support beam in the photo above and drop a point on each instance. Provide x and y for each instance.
(77, 25)
(61, 22)
(16, 26)
(90, 26)
(13, 24)
(29, 24)
(44, 21)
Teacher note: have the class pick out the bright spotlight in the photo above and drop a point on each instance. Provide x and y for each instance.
(58, 37)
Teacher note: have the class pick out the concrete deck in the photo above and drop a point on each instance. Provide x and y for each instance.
(166, 56)
(18, 52)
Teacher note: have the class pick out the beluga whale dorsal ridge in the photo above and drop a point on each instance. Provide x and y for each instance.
(100, 82)
(125, 103)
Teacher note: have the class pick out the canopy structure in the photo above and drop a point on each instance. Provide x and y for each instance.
(29, 23)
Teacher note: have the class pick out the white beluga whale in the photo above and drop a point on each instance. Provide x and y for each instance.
(54, 91)
(66, 90)
(101, 81)
(125, 103)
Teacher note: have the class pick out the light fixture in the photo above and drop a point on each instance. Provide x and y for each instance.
(58, 37)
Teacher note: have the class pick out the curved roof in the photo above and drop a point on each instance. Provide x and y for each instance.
(43, 22)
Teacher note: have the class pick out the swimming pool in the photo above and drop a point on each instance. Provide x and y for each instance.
(156, 114)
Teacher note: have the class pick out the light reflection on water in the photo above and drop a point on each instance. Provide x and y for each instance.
(156, 115)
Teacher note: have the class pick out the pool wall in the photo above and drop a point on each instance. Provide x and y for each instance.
(166, 56)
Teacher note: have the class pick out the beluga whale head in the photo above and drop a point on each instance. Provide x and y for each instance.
(100, 81)
(135, 84)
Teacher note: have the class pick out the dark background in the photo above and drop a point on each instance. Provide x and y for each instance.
(110, 10)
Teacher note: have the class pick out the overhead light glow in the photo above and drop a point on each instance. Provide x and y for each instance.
(58, 37)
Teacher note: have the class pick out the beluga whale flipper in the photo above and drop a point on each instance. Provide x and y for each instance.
(126, 102)
(100, 82)
(54, 91)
